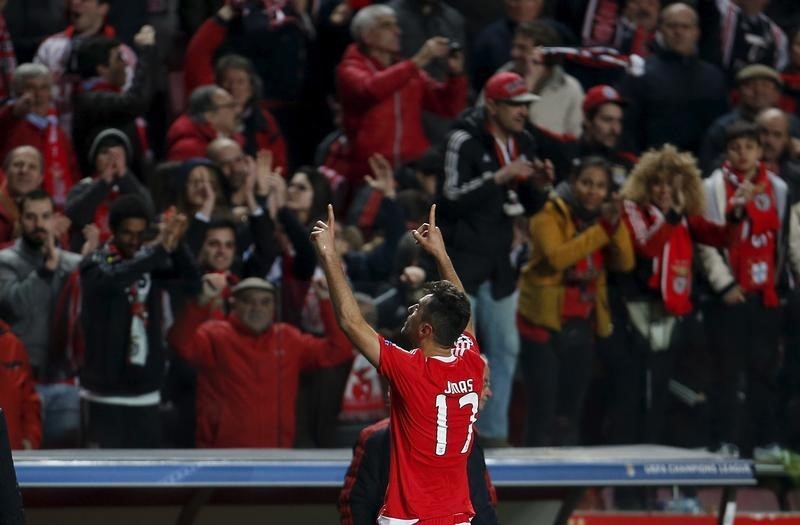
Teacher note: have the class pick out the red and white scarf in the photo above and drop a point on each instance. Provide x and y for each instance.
(752, 254)
(672, 272)
(138, 343)
(58, 178)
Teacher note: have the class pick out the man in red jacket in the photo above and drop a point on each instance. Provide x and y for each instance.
(383, 99)
(237, 75)
(31, 120)
(211, 113)
(23, 169)
(248, 365)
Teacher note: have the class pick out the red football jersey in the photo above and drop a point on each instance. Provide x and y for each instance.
(433, 409)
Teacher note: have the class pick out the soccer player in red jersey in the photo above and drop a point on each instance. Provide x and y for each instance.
(435, 388)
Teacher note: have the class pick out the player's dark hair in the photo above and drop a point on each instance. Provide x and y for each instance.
(742, 130)
(448, 312)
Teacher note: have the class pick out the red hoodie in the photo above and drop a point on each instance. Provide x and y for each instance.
(382, 108)
(247, 382)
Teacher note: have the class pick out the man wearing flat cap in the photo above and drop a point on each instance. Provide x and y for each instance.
(248, 365)
(759, 89)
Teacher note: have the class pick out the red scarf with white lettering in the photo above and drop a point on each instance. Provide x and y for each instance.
(752, 254)
(672, 272)
(58, 178)
(580, 280)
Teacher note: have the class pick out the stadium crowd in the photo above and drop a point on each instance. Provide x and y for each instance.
(617, 183)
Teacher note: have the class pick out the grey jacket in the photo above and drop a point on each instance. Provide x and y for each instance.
(28, 294)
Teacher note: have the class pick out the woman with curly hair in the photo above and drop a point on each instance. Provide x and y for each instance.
(663, 210)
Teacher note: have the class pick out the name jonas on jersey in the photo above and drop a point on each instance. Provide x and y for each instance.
(459, 387)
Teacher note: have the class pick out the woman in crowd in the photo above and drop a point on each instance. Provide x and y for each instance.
(198, 194)
(563, 300)
(663, 210)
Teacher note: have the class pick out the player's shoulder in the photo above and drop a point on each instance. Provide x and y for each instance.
(387, 344)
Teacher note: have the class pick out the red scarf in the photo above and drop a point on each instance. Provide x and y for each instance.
(101, 214)
(58, 178)
(580, 281)
(600, 22)
(98, 84)
(672, 272)
(752, 254)
(505, 154)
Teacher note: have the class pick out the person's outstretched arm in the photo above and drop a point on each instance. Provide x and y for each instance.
(429, 237)
(352, 323)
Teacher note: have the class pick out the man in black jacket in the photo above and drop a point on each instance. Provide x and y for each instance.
(492, 175)
(121, 286)
(678, 96)
(101, 103)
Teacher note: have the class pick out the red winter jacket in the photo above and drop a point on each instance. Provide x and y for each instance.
(260, 133)
(247, 382)
(382, 108)
(18, 397)
(187, 138)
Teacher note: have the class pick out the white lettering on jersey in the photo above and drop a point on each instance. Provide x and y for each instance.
(459, 387)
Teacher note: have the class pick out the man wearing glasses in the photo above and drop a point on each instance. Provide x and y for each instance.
(211, 113)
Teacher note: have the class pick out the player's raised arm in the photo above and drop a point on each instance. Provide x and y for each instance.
(429, 237)
(353, 324)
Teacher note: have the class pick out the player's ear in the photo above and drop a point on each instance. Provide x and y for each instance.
(425, 330)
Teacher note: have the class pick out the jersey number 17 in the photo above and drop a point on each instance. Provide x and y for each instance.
(470, 399)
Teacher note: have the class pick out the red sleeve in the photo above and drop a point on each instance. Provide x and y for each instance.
(31, 412)
(319, 352)
(191, 340)
(711, 233)
(199, 62)
(648, 241)
(359, 86)
(445, 98)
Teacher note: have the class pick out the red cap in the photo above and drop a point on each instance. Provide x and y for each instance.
(508, 87)
(601, 95)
